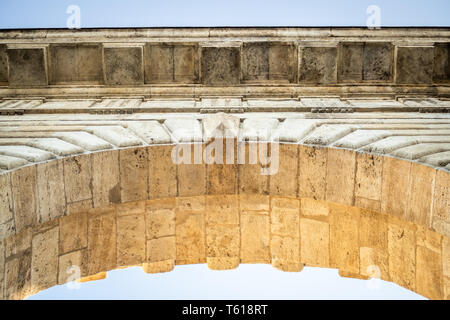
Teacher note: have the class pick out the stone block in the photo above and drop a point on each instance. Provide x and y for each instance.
(285, 217)
(373, 237)
(3, 64)
(446, 256)
(73, 232)
(18, 243)
(220, 66)
(162, 172)
(222, 209)
(159, 267)
(170, 62)
(76, 63)
(44, 260)
(273, 61)
(395, 186)
(250, 178)
(77, 178)
(341, 176)
(27, 66)
(160, 223)
(254, 202)
(255, 238)
(24, 194)
(378, 61)
(428, 273)
(192, 176)
(441, 200)
(72, 263)
(369, 169)
(102, 241)
(105, 178)
(50, 190)
(190, 238)
(133, 174)
(18, 277)
(420, 194)
(312, 172)
(6, 200)
(350, 66)
(441, 70)
(310, 207)
(123, 65)
(161, 249)
(318, 65)
(221, 175)
(284, 181)
(285, 252)
(344, 235)
(222, 241)
(130, 240)
(315, 243)
(414, 65)
(402, 258)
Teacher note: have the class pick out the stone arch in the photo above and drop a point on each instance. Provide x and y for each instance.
(328, 207)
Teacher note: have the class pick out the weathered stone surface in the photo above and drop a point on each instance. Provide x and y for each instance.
(105, 178)
(70, 264)
(250, 178)
(310, 207)
(130, 239)
(85, 140)
(3, 64)
(18, 243)
(161, 249)
(441, 70)
(318, 65)
(133, 174)
(44, 261)
(284, 217)
(9, 163)
(162, 172)
(284, 181)
(185, 129)
(76, 63)
(344, 233)
(152, 132)
(446, 256)
(160, 223)
(2, 269)
(350, 65)
(167, 63)
(6, 200)
(312, 172)
(50, 190)
(395, 186)
(441, 202)
(254, 202)
(369, 169)
(190, 240)
(222, 241)
(192, 175)
(373, 238)
(420, 194)
(268, 61)
(428, 273)
(18, 277)
(341, 176)
(24, 195)
(285, 253)
(414, 65)
(402, 259)
(221, 166)
(378, 61)
(28, 153)
(27, 66)
(117, 135)
(123, 65)
(314, 242)
(222, 210)
(73, 231)
(255, 238)
(220, 66)
(102, 241)
(77, 178)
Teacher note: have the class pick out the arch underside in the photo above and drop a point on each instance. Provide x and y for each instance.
(366, 215)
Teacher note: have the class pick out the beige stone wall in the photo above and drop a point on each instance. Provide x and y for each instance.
(325, 207)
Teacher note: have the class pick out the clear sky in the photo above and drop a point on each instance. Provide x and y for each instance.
(198, 282)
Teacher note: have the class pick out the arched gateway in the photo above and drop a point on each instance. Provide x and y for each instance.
(288, 146)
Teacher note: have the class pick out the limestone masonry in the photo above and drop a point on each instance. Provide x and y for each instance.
(360, 120)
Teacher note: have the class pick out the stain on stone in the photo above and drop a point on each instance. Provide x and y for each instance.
(114, 194)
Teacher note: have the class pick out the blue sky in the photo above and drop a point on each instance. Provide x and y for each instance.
(198, 282)
(149, 13)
